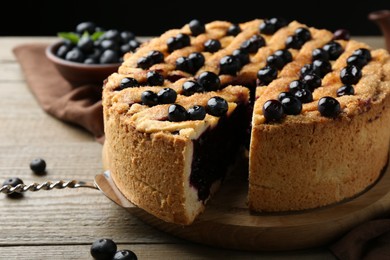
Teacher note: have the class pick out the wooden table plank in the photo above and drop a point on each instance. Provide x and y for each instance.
(62, 224)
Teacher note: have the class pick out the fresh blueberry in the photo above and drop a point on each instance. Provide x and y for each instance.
(275, 61)
(296, 85)
(197, 59)
(179, 41)
(103, 249)
(357, 60)
(284, 94)
(38, 166)
(334, 49)
(75, 55)
(125, 255)
(242, 55)
(128, 82)
(341, 34)
(253, 44)
(364, 53)
(109, 56)
(185, 64)
(285, 55)
(229, 65)
(13, 182)
(270, 26)
(304, 95)
(319, 54)
(322, 66)
(266, 75)
(87, 26)
(312, 81)
(233, 30)
(291, 105)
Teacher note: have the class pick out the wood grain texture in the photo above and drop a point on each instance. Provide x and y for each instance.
(62, 224)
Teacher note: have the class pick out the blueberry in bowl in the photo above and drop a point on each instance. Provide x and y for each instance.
(89, 54)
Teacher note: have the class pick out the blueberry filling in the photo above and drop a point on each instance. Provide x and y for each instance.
(215, 150)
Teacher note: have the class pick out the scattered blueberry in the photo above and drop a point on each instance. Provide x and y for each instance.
(125, 255)
(13, 182)
(38, 166)
(103, 249)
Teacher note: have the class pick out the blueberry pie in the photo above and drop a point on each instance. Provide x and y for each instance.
(310, 110)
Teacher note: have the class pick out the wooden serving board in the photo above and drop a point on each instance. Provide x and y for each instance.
(227, 222)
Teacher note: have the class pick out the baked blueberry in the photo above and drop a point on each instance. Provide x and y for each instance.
(190, 87)
(166, 96)
(275, 61)
(233, 30)
(312, 81)
(296, 85)
(273, 110)
(357, 60)
(266, 75)
(294, 42)
(212, 45)
(253, 44)
(309, 69)
(319, 54)
(128, 82)
(329, 107)
(291, 105)
(285, 55)
(38, 166)
(345, 90)
(177, 113)
(177, 42)
(197, 60)
(13, 182)
(304, 95)
(363, 52)
(303, 34)
(196, 113)
(341, 34)
(103, 249)
(185, 64)
(153, 57)
(196, 27)
(153, 78)
(209, 81)
(125, 255)
(284, 94)
(149, 98)
(350, 75)
(270, 26)
(322, 66)
(229, 65)
(217, 106)
(334, 49)
(242, 55)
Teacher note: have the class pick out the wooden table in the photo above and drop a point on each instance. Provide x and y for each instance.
(62, 224)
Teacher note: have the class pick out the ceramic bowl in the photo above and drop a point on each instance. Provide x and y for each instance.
(79, 73)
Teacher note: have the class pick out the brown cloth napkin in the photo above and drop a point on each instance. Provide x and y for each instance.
(75, 105)
(368, 241)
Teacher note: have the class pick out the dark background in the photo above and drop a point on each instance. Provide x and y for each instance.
(147, 18)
